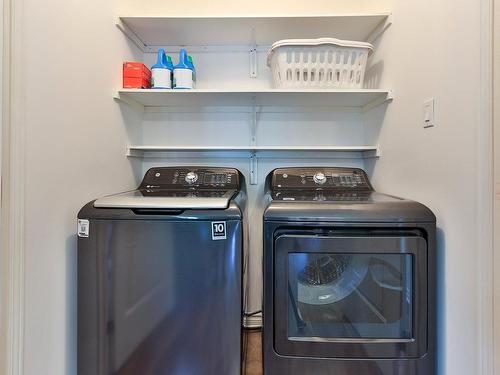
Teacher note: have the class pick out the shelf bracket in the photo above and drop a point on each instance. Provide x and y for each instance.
(134, 153)
(372, 154)
(128, 100)
(130, 35)
(389, 97)
(253, 63)
(380, 29)
(253, 142)
(254, 69)
(254, 123)
(253, 168)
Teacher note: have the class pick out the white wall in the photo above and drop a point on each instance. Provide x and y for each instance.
(255, 7)
(76, 137)
(433, 50)
(75, 146)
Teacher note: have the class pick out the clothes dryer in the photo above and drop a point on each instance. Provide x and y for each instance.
(349, 277)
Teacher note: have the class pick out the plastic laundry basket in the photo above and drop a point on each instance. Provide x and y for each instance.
(318, 63)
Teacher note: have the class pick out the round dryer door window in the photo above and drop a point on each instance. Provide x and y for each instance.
(328, 278)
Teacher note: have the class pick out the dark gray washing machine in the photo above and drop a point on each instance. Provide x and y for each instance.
(160, 276)
(349, 277)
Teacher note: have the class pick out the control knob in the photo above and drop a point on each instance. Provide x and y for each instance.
(191, 178)
(319, 178)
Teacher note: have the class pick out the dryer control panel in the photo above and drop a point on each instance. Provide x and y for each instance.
(320, 178)
(191, 178)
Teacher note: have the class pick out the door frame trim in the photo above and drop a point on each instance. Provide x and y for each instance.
(13, 184)
(485, 193)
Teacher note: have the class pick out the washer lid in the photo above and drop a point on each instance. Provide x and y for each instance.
(168, 199)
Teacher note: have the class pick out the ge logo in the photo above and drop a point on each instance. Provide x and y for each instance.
(218, 230)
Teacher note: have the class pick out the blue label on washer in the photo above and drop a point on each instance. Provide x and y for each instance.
(218, 230)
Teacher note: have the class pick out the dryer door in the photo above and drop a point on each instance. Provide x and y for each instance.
(350, 296)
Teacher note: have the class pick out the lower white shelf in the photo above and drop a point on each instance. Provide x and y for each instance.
(320, 151)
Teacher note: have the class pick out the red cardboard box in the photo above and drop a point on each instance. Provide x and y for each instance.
(136, 75)
(136, 83)
(135, 70)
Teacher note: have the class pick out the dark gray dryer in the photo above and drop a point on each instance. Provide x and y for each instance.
(349, 277)
(160, 276)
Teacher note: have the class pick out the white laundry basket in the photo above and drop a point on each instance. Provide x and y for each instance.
(318, 63)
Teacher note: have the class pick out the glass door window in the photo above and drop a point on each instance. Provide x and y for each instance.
(338, 296)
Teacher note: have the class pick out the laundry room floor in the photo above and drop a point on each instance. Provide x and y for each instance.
(253, 360)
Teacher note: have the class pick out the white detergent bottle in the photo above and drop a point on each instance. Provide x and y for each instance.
(183, 75)
(161, 72)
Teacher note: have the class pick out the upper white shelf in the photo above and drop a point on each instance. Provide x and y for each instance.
(258, 30)
(315, 151)
(360, 99)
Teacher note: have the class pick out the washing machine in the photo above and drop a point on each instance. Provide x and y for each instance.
(160, 276)
(349, 277)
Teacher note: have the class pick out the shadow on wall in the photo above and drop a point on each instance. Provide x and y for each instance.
(132, 119)
(373, 128)
(374, 70)
(71, 304)
(440, 296)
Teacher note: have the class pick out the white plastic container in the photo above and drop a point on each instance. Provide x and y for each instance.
(183, 72)
(161, 72)
(318, 63)
(161, 79)
(183, 78)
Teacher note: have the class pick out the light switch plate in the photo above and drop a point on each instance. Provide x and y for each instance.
(428, 114)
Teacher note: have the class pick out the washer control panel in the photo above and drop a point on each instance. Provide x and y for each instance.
(320, 178)
(181, 178)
